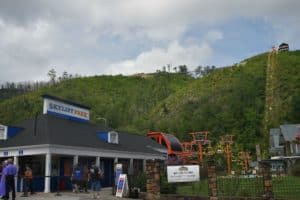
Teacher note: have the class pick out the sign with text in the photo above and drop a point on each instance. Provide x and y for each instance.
(183, 173)
(3, 132)
(122, 186)
(55, 107)
(118, 172)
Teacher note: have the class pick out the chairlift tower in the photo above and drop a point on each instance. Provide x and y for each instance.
(196, 146)
(227, 140)
(270, 89)
(201, 139)
(245, 157)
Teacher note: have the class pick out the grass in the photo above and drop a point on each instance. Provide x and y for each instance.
(194, 189)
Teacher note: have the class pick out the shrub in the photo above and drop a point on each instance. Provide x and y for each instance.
(165, 187)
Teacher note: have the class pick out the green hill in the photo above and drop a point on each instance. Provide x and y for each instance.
(230, 100)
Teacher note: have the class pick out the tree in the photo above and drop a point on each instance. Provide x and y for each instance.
(183, 69)
(52, 75)
(169, 67)
(65, 75)
(198, 71)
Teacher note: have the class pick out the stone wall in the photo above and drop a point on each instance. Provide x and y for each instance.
(212, 180)
(153, 179)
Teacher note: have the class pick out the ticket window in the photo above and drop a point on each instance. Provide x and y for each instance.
(36, 163)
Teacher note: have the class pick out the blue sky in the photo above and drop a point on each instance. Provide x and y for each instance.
(133, 36)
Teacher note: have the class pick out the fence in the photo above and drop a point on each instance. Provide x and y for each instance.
(264, 186)
(267, 185)
(240, 186)
(286, 187)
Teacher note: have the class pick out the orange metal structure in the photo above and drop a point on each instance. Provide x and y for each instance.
(194, 150)
(227, 141)
(245, 157)
(190, 152)
(172, 144)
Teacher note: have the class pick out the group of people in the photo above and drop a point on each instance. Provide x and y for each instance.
(81, 177)
(8, 172)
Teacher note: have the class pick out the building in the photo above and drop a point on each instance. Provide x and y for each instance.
(52, 143)
(284, 140)
(283, 47)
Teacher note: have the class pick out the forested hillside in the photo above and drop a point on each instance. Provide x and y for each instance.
(230, 100)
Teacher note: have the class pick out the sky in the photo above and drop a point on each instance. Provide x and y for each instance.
(134, 36)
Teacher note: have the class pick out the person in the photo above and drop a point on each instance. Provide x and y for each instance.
(28, 182)
(76, 177)
(85, 178)
(10, 171)
(95, 177)
(2, 180)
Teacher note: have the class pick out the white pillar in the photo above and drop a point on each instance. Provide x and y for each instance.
(98, 161)
(144, 165)
(47, 173)
(130, 170)
(16, 163)
(75, 160)
(116, 161)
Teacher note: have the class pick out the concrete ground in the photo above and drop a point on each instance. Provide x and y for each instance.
(105, 194)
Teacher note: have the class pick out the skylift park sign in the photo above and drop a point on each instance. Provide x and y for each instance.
(183, 173)
(65, 110)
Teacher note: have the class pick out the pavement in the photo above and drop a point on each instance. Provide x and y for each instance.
(105, 194)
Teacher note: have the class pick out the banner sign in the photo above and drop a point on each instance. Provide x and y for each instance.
(183, 173)
(122, 186)
(118, 172)
(55, 107)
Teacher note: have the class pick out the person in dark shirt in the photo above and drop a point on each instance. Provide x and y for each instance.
(95, 175)
(10, 171)
(28, 182)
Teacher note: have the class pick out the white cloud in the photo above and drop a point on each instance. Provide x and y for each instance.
(175, 54)
(213, 36)
(71, 34)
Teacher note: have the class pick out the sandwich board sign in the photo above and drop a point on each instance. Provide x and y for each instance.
(118, 172)
(183, 173)
(122, 186)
